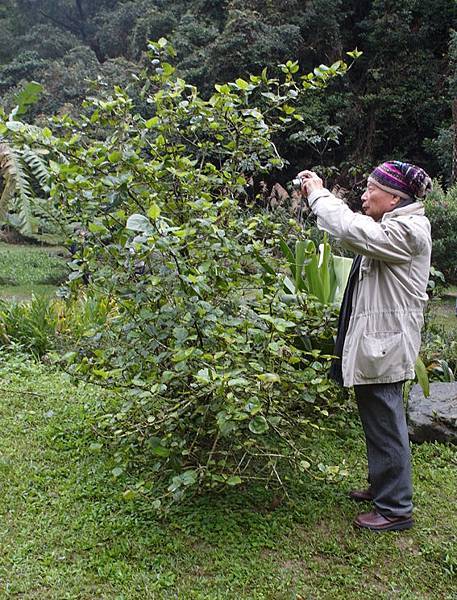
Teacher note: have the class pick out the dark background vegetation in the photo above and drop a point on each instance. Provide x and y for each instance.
(396, 102)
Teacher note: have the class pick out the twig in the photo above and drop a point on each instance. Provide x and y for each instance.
(25, 392)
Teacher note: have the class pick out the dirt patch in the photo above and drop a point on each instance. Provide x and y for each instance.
(6, 281)
(294, 564)
(10, 236)
(407, 544)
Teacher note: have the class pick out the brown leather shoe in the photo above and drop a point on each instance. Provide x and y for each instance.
(361, 495)
(377, 522)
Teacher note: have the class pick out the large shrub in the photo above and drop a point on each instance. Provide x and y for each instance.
(216, 386)
(441, 209)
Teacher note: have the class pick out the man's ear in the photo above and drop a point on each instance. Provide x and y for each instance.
(395, 200)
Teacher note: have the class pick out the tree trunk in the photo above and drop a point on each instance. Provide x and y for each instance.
(454, 148)
(82, 19)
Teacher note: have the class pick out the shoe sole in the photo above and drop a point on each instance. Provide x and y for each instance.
(392, 527)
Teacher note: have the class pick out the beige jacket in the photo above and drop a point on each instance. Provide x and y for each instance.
(383, 339)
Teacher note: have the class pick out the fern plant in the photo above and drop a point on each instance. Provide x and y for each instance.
(24, 175)
(25, 178)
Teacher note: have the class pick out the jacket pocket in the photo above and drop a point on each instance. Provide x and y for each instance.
(382, 353)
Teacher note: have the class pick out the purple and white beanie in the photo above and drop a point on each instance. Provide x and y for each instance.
(402, 179)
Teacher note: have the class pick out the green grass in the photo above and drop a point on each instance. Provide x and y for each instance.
(441, 314)
(27, 270)
(67, 533)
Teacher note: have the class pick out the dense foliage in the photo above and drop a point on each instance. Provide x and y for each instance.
(219, 375)
(441, 209)
(396, 102)
(210, 348)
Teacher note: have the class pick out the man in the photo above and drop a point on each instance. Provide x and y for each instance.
(380, 322)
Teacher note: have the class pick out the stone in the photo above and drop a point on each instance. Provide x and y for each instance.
(433, 419)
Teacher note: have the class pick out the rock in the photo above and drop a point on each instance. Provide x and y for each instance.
(433, 419)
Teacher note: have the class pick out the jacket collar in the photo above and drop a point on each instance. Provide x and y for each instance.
(415, 208)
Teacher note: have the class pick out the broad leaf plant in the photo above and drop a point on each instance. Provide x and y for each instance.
(209, 387)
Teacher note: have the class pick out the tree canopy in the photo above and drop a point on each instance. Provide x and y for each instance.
(395, 102)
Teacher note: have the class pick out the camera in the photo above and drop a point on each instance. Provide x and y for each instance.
(297, 183)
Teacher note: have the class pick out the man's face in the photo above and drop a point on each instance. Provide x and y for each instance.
(376, 202)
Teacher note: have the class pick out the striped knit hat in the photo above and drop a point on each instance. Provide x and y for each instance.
(401, 179)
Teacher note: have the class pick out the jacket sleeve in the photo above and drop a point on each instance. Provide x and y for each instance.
(391, 240)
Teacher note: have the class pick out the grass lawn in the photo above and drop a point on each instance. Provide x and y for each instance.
(27, 270)
(443, 313)
(67, 533)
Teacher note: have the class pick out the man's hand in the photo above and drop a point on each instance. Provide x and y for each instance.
(310, 182)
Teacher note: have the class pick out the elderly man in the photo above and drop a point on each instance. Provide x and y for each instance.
(380, 322)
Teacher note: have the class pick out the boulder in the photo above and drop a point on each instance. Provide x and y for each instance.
(433, 419)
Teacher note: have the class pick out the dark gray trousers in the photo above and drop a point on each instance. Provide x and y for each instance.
(389, 458)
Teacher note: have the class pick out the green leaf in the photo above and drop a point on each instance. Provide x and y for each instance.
(242, 84)
(137, 222)
(189, 477)
(222, 89)
(233, 480)
(161, 451)
(354, 53)
(152, 122)
(154, 211)
(325, 266)
(258, 425)
(342, 267)
(115, 156)
(268, 268)
(96, 228)
(168, 69)
(290, 285)
(269, 377)
(288, 110)
(129, 495)
(313, 282)
(300, 255)
(289, 256)
(422, 376)
(26, 97)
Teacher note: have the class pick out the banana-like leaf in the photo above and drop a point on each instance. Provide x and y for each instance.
(319, 273)
(341, 268)
(313, 281)
(324, 271)
(268, 268)
(422, 376)
(290, 285)
(442, 367)
(289, 256)
(300, 256)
